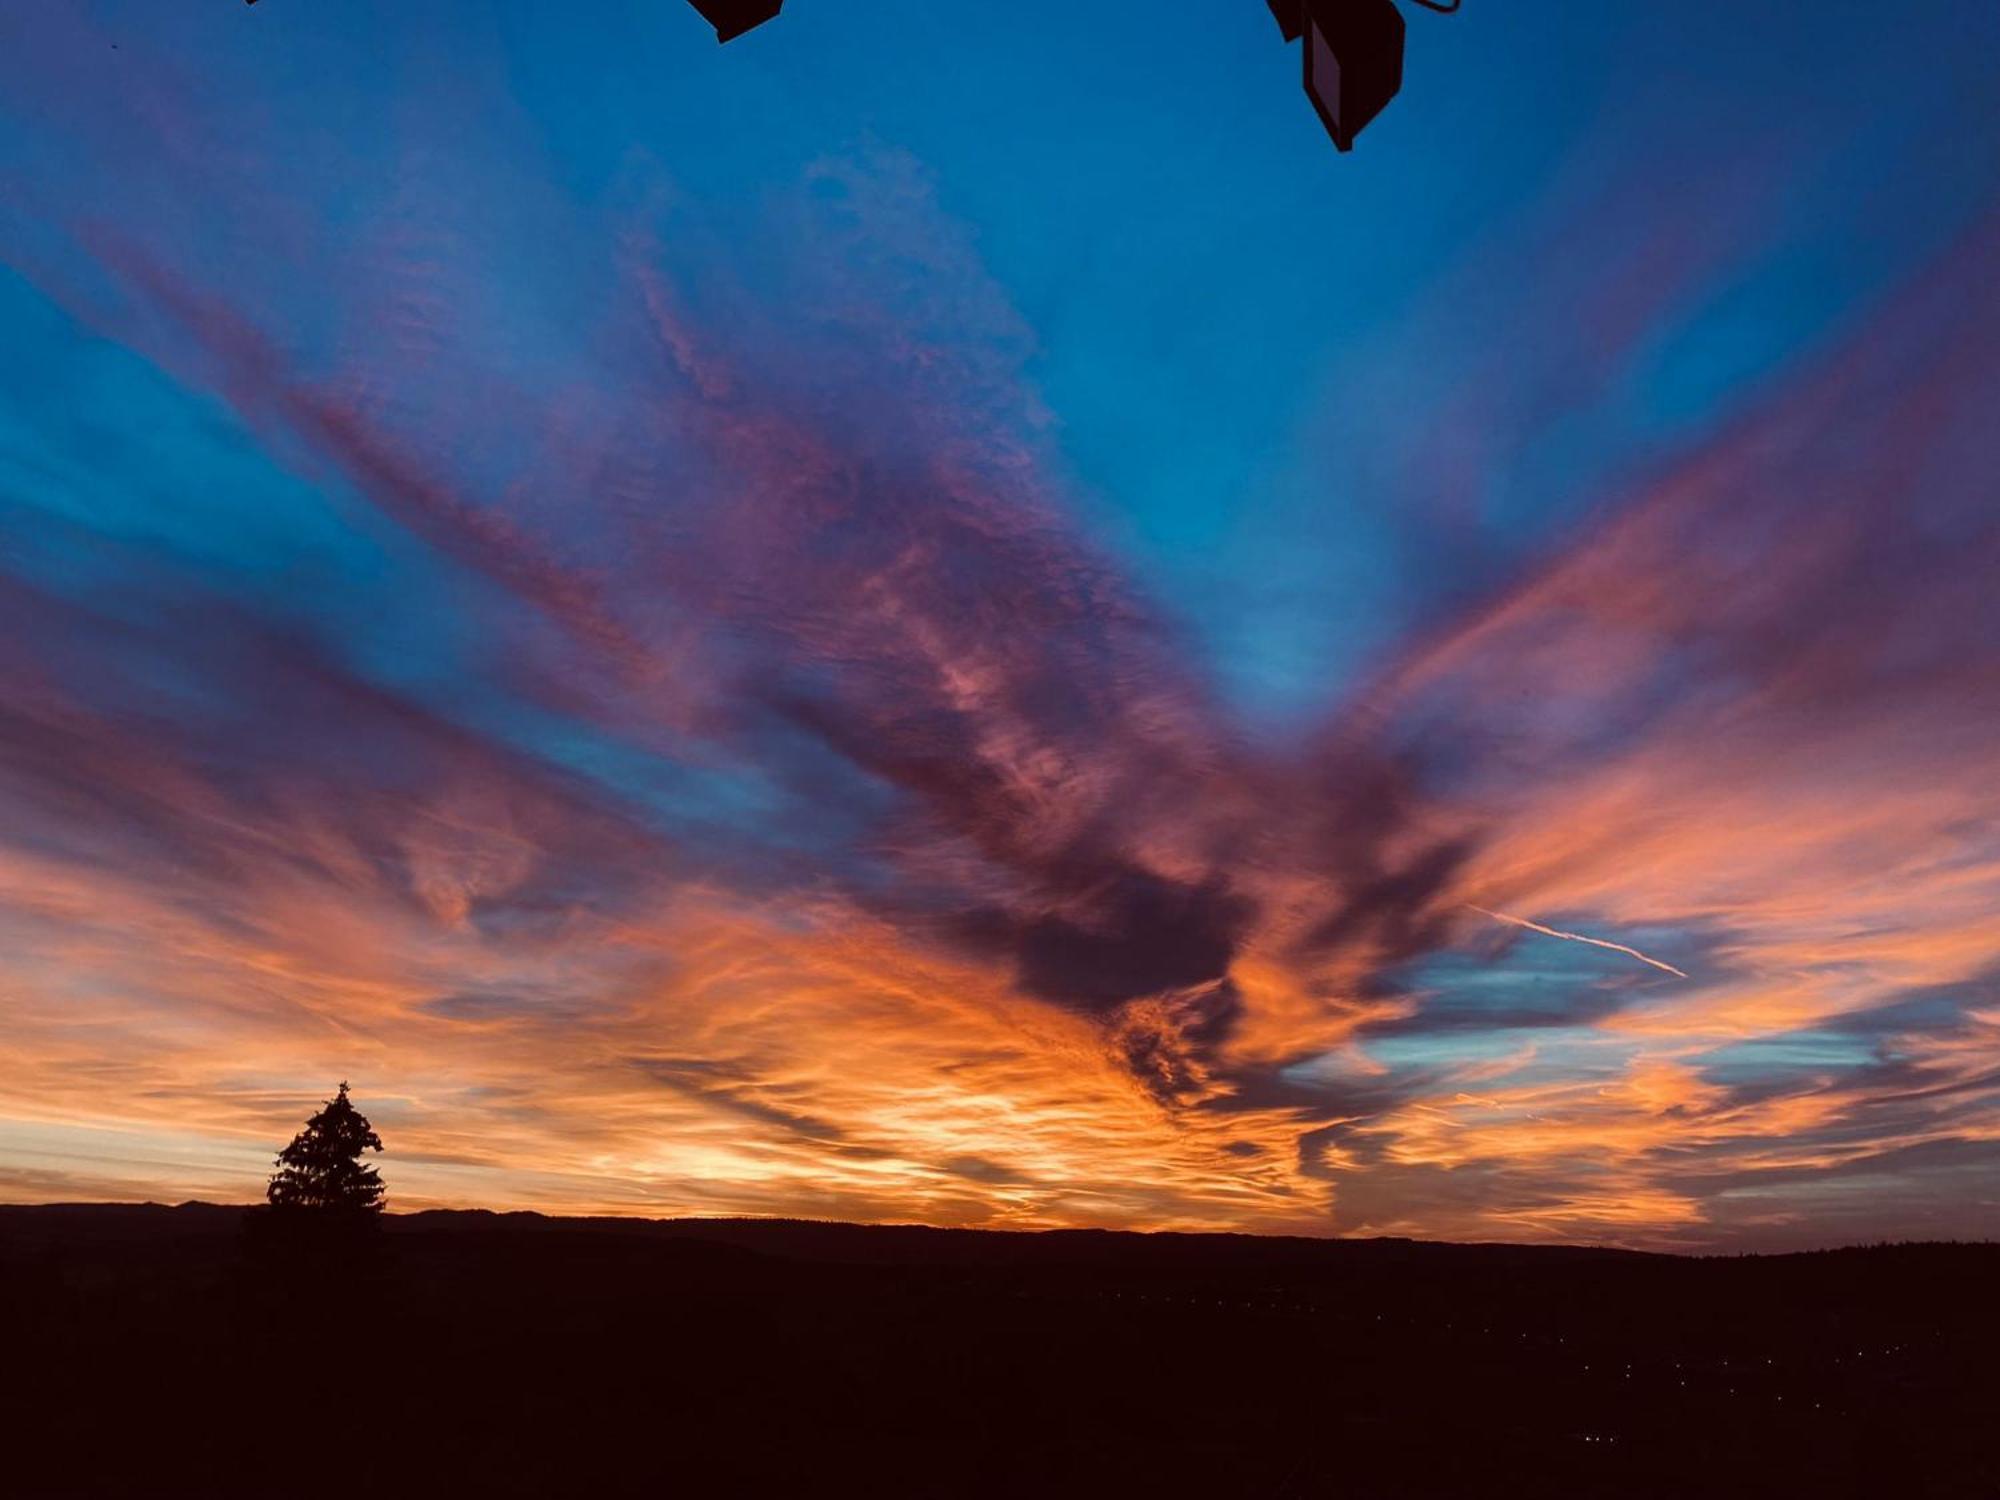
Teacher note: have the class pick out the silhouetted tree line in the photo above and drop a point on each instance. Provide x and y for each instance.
(322, 1171)
(324, 1200)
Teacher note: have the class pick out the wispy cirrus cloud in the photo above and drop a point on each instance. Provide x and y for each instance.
(714, 769)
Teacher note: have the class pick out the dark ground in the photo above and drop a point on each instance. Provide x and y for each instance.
(159, 1351)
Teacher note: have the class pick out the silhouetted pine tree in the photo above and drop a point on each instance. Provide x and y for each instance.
(322, 1168)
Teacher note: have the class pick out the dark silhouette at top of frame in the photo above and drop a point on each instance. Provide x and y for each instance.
(1353, 50)
(1353, 58)
(731, 18)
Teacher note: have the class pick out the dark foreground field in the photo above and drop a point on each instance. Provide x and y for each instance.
(154, 1351)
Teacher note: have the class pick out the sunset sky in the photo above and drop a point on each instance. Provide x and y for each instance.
(943, 614)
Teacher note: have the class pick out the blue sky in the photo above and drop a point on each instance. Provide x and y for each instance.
(721, 554)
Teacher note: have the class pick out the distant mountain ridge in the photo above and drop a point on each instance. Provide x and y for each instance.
(842, 1242)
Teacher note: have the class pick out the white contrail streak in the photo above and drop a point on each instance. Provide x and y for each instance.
(1575, 937)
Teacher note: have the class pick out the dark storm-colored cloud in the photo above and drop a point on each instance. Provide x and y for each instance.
(1121, 935)
(1398, 910)
(978, 1169)
(731, 1089)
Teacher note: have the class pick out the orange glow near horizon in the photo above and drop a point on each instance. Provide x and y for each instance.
(678, 733)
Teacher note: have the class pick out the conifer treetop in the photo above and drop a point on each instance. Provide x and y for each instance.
(322, 1168)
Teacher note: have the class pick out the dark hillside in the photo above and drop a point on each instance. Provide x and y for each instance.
(156, 1350)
